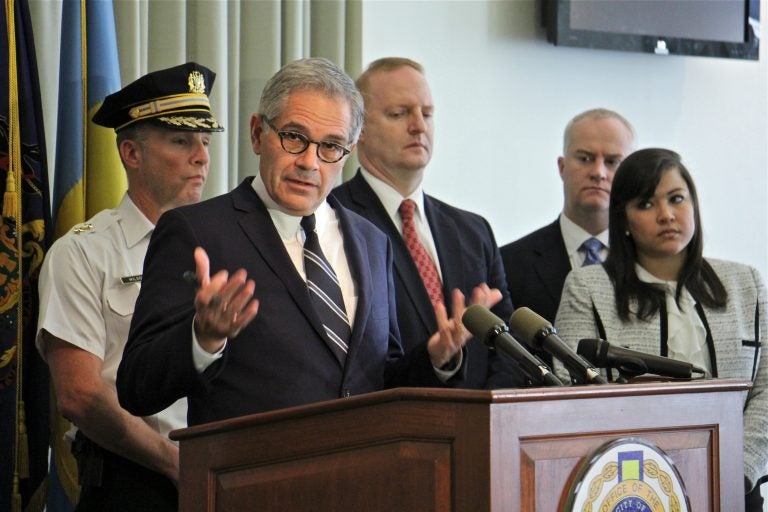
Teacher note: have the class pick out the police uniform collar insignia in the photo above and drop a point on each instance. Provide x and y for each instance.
(82, 228)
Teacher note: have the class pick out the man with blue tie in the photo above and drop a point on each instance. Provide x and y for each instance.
(437, 247)
(594, 144)
(293, 300)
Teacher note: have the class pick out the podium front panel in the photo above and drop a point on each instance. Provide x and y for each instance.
(552, 439)
(459, 450)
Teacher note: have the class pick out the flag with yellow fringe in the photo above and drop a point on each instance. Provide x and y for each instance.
(24, 237)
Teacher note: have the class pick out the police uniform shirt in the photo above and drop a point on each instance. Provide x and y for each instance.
(88, 285)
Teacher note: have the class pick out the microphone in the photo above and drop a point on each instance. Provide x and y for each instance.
(632, 362)
(538, 332)
(493, 332)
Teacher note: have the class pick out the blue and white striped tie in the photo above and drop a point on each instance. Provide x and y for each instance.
(591, 248)
(325, 292)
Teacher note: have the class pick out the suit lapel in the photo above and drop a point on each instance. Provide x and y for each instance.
(356, 249)
(446, 236)
(410, 280)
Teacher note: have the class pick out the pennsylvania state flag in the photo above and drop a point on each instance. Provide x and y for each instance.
(89, 175)
(24, 234)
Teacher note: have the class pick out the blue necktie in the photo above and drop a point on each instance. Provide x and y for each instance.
(325, 292)
(591, 248)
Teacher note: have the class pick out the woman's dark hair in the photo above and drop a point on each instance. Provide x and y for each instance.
(637, 178)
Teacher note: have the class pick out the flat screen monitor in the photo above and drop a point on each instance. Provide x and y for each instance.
(713, 28)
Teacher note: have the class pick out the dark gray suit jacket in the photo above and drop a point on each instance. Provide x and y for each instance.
(536, 267)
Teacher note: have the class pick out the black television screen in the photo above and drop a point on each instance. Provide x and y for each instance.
(714, 28)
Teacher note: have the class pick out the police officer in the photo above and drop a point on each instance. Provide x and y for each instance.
(90, 280)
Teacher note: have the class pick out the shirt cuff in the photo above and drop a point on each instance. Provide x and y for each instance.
(200, 357)
(445, 375)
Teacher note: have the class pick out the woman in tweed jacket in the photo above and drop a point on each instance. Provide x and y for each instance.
(656, 293)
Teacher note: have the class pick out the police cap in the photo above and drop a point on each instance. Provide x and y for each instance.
(175, 98)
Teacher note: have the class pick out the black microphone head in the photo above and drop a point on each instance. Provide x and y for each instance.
(482, 323)
(589, 348)
(528, 325)
(599, 353)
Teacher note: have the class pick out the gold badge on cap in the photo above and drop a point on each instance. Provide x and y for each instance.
(196, 82)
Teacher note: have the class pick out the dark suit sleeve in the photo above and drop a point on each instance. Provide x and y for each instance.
(536, 266)
(157, 367)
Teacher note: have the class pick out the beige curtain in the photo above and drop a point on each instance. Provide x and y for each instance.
(243, 41)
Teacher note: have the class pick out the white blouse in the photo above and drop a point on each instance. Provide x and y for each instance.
(687, 337)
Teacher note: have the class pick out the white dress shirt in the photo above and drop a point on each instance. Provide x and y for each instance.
(391, 200)
(292, 235)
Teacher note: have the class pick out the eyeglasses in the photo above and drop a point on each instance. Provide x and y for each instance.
(297, 143)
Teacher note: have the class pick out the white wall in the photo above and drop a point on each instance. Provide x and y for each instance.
(503, 96)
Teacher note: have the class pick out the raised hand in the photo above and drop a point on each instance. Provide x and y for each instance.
(224, 304)
(451, 335)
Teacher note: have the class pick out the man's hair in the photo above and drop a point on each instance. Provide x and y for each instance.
(138, 133)
(593, 114)
(385, 64)
(315, 74)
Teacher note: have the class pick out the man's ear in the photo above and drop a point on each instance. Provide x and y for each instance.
(130, 153)
(257, 128)
(561, 165)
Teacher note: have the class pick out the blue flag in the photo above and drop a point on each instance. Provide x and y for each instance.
(89, 176)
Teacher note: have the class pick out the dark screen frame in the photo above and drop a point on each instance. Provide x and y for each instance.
(556, 15)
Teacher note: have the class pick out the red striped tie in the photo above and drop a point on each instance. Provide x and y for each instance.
(424, 263)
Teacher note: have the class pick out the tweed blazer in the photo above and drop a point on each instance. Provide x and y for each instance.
(736, 333)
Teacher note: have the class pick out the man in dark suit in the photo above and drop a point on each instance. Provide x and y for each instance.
(594, 144)
(394, 149)
(275, 333)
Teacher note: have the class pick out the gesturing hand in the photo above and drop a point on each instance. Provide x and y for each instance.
(451, 335)
(224, 304)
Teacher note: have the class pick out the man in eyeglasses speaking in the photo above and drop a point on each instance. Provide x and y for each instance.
(294, 299)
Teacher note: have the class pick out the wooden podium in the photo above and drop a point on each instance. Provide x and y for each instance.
(414, 449)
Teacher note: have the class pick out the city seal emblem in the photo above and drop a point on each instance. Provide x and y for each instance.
(627, 475)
